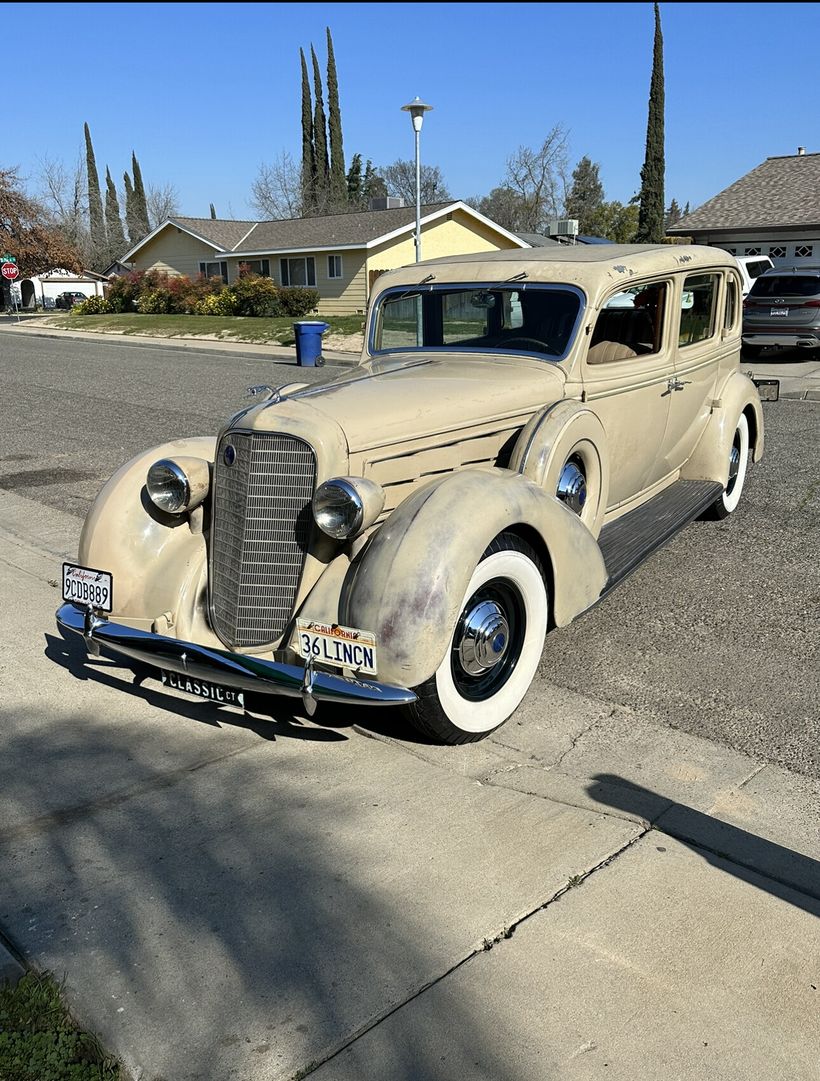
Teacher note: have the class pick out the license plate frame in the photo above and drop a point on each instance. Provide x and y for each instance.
(205, 689)
(340, 647)
(88, 586)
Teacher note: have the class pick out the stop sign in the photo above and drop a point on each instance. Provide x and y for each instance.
(9, 271)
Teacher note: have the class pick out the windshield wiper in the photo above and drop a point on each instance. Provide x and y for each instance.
(410, 292)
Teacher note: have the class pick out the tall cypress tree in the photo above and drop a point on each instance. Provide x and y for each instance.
(308, 153)
(338, 181)
(319, 138)
(213, 212)
(140, 201)
(95, 207)
(354, 181)
(113, 222)
(586, 195)
(650, 220)
(131, 219)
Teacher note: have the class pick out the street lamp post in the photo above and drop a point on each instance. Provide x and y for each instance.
(417, 109)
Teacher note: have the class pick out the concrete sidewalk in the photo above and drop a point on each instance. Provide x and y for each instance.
(201, 345)
(585, 894)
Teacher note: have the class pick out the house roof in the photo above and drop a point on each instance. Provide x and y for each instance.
(782, 191)
(331, 231)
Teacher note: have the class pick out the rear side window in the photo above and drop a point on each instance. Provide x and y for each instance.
(755, 269)
(698, 303)
(786, 285)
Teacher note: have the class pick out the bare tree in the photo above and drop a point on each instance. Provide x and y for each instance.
(63, 193)
(539, 177)
(162, 203)
(400, 178)
(277, 190)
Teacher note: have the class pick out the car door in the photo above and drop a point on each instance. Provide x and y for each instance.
(626, 374)
(704, 304)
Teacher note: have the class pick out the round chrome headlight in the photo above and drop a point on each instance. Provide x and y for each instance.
(345, 506)
(168, 487)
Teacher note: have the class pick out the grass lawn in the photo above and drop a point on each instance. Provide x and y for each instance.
(40, 1042)
(219, 327)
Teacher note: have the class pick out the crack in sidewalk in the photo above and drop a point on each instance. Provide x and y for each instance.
(486, 946)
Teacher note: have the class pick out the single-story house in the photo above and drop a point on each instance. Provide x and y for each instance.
(341, 255)
(40, 290)
(774, 210)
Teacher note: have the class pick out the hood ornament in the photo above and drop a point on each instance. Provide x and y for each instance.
(274, 394)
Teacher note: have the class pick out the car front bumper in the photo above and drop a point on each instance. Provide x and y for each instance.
(236, 670)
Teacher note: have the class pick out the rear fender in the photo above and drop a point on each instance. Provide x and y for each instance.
(409, 585)
(710, 460)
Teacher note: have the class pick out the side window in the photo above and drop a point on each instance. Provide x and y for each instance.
(730, 312)
(697, 317)
(630, 324)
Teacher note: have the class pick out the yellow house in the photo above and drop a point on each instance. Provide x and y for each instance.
(340, 255)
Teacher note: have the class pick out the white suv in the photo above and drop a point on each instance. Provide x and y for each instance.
(751, 267)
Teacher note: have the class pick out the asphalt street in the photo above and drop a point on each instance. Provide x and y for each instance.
(717, 634)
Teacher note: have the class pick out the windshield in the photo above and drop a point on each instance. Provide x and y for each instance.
(470, 318)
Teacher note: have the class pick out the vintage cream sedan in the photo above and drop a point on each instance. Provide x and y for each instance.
(523, 429)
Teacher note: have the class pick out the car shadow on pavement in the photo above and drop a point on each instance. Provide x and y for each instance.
(70, 653)
(782, 872)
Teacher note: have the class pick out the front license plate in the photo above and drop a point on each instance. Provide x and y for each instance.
(779, 311)
(223, 696)
(344, 647)
(84, 585)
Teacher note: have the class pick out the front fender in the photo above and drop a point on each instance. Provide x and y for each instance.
(158, 561)
(710, 460)
(408, 587)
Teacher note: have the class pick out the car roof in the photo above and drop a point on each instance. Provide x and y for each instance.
(785, 271)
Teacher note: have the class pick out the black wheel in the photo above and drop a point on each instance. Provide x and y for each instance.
(494, 651)
(728, 500)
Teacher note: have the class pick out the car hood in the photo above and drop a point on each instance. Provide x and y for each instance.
(394, 398)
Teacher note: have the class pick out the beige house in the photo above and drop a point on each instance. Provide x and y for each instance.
(341, 255)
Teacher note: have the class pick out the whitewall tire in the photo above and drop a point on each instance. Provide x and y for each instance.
(495, 648)
(729, 498)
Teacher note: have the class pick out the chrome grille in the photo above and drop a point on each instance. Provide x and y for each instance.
(260, 530)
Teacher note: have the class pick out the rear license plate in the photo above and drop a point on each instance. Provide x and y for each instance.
(768, 389)
(779, 311)
(84, 585)
(344, 647)
(201, 688)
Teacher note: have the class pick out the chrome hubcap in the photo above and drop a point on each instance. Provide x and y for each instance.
(485, 636)
(572, 486)
(734, 466)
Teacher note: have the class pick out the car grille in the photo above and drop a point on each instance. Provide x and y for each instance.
(260, 529)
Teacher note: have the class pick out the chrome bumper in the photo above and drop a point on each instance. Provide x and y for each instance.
(228, 669)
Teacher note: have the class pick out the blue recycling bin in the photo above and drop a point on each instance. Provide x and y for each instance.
(309, 342)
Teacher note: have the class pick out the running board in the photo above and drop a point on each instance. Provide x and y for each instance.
(627, 542)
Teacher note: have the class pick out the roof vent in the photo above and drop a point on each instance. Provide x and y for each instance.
(386, 202)
(801, 150)
(563, 227)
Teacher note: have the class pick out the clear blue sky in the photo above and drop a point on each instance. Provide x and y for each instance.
(206, 92)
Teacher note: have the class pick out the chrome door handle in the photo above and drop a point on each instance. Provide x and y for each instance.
(678, 384)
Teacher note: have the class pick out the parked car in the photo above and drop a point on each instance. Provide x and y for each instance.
(751, 267)
(783, 310)
(514, 442)
(69, 299)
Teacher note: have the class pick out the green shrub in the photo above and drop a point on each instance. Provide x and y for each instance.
(93, 306)
(222, 303)
(155, 302)
(256, 296)
(296, 300)
(124, 290)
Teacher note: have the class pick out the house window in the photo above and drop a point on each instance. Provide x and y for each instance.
(214, 270)
(753, 251)
(803, 251)
(300, 271)
(334, 266)
(255, 266)
(777, 253)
